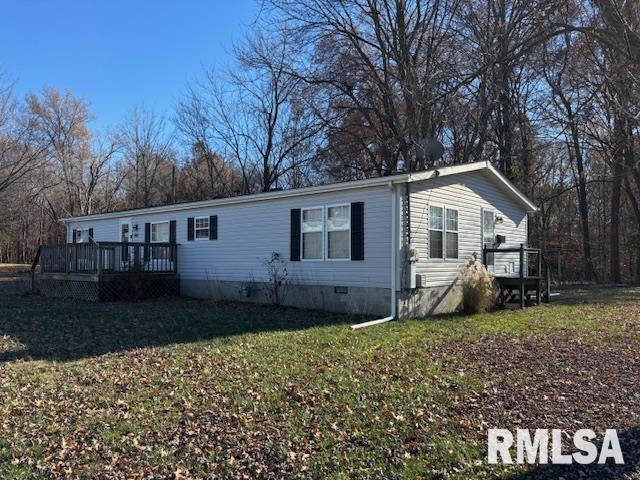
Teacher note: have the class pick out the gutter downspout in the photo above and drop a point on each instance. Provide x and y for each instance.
(394, 257)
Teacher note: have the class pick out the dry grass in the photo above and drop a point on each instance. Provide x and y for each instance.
(188, 389)
(478, 288)
(14, 268)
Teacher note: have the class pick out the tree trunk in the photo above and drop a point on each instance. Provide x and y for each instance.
(614, 247)
(583, 206)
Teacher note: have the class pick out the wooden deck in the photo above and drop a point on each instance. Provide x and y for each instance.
(532, 276)
(104, 271)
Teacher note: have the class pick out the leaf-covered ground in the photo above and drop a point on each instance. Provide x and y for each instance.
(190, 389)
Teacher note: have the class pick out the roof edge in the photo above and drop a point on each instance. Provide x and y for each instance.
(333, 187)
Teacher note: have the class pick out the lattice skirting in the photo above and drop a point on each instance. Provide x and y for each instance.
(120, 288)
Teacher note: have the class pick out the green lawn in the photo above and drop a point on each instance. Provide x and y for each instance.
(189, 389)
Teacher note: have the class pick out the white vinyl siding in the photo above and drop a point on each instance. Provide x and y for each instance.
(468, 193)
(254, 230)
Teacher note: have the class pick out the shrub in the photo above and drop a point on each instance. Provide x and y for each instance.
(277, 274)
(478, 287)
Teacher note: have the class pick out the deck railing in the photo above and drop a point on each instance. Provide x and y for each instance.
(109, 257)
(528, 264)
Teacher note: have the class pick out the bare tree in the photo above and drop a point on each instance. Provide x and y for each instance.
(148, 157)
(391, 64)
(259, 120)
(20, 152)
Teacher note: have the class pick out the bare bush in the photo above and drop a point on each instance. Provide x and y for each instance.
(277, 275)
(478, 287)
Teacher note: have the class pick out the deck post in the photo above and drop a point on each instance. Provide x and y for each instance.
(484, 255)
(521, 275)
(174, 256)
(539, 281)
(98, 258)
(548, 284)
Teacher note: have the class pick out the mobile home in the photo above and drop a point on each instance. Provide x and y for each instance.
(388, 246)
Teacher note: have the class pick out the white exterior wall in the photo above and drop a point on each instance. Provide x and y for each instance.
(469, 193)
(249, 232)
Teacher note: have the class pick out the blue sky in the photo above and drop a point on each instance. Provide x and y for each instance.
(119, 53)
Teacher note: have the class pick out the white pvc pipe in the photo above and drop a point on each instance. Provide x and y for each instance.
(371, 322)
(394, 248)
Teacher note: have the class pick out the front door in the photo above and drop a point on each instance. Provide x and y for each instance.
(125, 237)
(489, 236)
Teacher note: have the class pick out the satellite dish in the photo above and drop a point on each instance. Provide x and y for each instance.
(429, 150)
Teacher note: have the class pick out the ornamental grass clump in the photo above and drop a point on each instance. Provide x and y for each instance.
(478, 287)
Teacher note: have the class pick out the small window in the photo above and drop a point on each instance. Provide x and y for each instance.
(160, 232)
(312, 234)
(82, 235)
(338, 232)
(451, 233)
(201, 227)
(436, 232)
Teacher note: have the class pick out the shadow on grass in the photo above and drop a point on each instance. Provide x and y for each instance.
(630, 446)
(34, 328)
(606, 295)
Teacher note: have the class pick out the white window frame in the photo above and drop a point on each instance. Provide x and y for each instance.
(195, 228)
(79, 231)
(446, 231)
(326, 232)
(129, 225)
(483, 211)
(444, 247)
(151, 231)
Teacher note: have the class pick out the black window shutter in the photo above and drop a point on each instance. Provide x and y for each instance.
(172, 231)
(190, 229)
(172, 237)
(147, 239)
(294, 254)
(91, 235)
(357, 231)
(74, 236)
(213, 227)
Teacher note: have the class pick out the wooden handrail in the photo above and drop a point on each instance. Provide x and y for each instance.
(109, 257)
(512, 250)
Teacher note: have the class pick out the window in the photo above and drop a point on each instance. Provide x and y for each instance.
(451, 233)
(201, 227)
(443, 232)
(124, 232)
(82, 235)
(312, 234)
(436, 231)
(488, 234)
(160, 232)
(338, 232)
